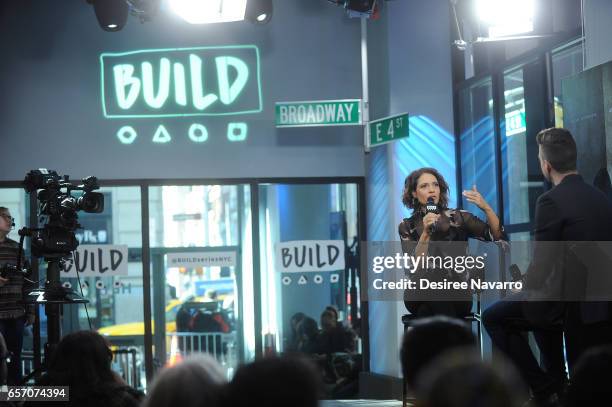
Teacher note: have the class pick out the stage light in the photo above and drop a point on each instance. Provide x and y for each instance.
(506, 17)
(209, 11)
(359, 8)
(111, 14)
(259, 11)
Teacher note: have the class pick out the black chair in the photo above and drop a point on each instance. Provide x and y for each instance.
(473, 318)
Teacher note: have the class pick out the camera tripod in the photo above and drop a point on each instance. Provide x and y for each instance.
(52, 296)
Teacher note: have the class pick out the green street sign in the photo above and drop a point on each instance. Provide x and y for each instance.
(388, 129)
(318, 113)
(515, 122)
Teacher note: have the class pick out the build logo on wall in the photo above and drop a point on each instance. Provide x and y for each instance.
(188, 84)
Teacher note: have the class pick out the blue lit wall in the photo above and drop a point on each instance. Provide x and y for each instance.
(429, 145)
(420, 83)
(478, 162)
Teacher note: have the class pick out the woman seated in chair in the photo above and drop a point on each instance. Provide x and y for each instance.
(441, 232)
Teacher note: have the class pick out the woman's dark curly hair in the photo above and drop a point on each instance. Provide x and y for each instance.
(410, 186)
(82, 359)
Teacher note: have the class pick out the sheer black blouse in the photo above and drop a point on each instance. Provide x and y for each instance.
(454, 225)
(450, 238)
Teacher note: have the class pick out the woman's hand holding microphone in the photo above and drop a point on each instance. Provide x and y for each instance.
(429, 222)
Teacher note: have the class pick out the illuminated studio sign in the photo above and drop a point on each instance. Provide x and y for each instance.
(190, 83)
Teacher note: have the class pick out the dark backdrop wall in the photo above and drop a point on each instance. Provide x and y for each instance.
(51, 108)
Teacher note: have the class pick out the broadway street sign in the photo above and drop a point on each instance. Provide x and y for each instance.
(318, 113)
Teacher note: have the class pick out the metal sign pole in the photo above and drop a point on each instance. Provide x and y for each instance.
(364, 84)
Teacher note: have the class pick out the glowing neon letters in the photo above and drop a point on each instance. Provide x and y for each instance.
(207, 81)
(181, 82)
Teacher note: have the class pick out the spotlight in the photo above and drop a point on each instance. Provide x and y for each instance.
(207, 11)
(259, 11)
(506, 17)
(111, 14)
(359, 8)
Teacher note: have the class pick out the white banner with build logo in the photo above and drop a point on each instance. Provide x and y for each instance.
(103, 260)
(300, 256)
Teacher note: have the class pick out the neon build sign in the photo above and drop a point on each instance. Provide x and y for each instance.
(188, 83)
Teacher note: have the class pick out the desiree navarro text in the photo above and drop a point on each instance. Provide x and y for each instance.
(424, 284)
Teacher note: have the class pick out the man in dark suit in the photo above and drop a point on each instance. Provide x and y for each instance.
(571, 211)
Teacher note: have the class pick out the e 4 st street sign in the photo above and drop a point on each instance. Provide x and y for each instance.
(387, 129)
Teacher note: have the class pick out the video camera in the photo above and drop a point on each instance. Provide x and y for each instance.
(56, 202)
(55, 240)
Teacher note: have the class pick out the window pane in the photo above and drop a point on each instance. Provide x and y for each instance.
(193, 215)
(514, 150)
(115, 303)
(565, 63)
(201, 271)
(298, 273)
(478, 143)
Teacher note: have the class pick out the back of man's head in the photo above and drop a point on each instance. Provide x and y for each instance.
(196, 381)
(427, 338)
(459, 378)
(591, 378)
(275, 382)
(558, 148)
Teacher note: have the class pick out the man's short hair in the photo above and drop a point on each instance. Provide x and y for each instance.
(276, 382)
(590, 377)
(558, 148)
(427, 338)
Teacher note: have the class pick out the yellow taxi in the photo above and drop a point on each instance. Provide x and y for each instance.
(137, 328)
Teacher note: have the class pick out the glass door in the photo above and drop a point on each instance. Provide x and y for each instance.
(309, 243)
(201, 290)
(201, 273)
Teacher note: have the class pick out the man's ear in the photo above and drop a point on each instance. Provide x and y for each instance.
(548, 167)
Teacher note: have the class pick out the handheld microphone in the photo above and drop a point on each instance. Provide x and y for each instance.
(431, 207)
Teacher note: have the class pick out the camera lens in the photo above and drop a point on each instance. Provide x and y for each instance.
(92, 202)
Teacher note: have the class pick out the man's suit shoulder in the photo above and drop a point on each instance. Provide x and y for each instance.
(548, 200)
(575, 190)
(586, 213)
